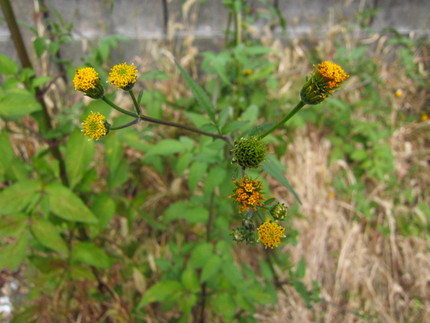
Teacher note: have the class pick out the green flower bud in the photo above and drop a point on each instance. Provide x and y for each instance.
(324, 80)
(249, 152)
(279, 211)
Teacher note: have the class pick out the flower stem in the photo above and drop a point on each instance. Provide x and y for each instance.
(136, 105)
(158, 121)
(113, 105)
(181, 126)
(125, 125)
(299, 105)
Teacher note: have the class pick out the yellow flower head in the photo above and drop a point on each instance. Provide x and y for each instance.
(123, 76)
(333, 73)
(247, 194)
(94, 126)
(270, 234)
(85, 79)
(324, 80)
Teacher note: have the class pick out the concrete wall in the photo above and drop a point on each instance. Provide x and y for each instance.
(143, 20)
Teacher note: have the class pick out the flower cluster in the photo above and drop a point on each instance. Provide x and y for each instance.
(270, 234)
(324, 80)
(87, 80)
(95, 126)
(248, 194)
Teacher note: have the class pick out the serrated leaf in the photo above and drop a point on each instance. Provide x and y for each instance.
(48, 235)
(7, 65)
(90, 254)
(271, 166)
(17, 102)
(19, 196)
(12, 255)
(200, 94)
(12, 225)
(79, 153)
(67, 205)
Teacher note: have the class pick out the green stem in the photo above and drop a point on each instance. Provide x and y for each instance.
(125, 125)
(227, 30)
(238, 25)
(299, 105)
(113, 105)
(166, 123)
(9, 16)
(136, 105)
(177, 125)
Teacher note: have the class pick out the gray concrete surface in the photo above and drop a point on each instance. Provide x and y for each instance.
(143, 20)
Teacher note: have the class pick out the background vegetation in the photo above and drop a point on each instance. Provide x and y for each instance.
(136, 227)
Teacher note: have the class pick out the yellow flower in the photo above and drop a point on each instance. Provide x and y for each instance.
(324, 80)
(123, 76)
(247, 194)
(398, 93)
(87, 80)
(333, 73)
(94, 126)
(424, 117)
(270, 234)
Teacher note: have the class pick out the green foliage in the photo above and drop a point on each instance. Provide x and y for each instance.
(143, 222)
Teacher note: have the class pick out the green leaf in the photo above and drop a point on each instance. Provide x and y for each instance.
(233, 274)
(161, 291)
(166, 147)
(17, 102)
(301, 268)
(197, 171)
(187, 211)
(200, 95)
(39, 45)
(359, 155)
(215, 177)
(224, 304)
(48, 235)
(19, 196)
(90, 254)
(79, 154)
(210, 268)
(12, 225)
(273, 167)
(7, 65)
(104, 208)
(197, 119)
(200, 255)
(12, 255)
(67, 205)
(190, 281)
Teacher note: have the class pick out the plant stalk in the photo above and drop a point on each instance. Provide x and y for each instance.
(10, 18)
(296, 109)
(136, 105)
